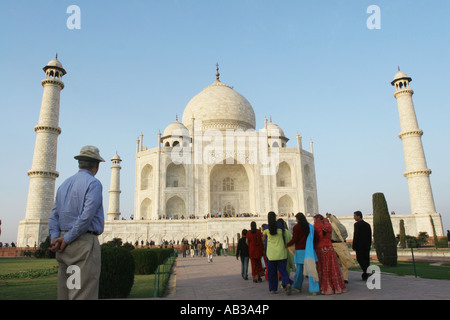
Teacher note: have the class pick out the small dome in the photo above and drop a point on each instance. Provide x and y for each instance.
(400, 75)
(274, 130)
(116, 157)
(176, 129)
(55, 63)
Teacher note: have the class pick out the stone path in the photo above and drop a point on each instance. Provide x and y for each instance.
(196, 279)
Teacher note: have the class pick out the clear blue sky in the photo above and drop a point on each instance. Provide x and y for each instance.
(314, 66)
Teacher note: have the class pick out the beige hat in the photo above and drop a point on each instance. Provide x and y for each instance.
(89, 153)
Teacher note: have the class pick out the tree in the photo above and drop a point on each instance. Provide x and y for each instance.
(402, 234)
(383, 233)
(436, 241)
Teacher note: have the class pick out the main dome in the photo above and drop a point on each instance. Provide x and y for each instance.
(218, 106)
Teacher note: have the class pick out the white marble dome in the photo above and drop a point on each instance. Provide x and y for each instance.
(218, 106)
(54, 63)
(176, 128)
(274, 130)
(400, 76)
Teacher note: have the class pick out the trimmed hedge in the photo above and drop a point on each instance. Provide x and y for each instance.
(117, 273)
(147, 260)
(383, 233)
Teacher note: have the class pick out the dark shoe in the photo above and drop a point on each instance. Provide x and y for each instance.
(288, 288)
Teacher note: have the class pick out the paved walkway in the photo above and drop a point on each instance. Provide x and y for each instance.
(196, 279)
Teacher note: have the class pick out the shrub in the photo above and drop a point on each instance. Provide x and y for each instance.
(164, 254)
(402, 234)
(117, 242)
(442, 243)
(43, 252)
(117, 272)
(383, 233)
(146, 260)
(422, 239)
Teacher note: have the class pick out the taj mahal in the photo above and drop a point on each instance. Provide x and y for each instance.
(214, 172)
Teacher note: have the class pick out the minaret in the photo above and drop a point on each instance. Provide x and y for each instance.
(43, 170)
(417, 173)
(114, 191)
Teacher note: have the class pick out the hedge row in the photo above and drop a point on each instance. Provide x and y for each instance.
(119, 265)
(147, 260)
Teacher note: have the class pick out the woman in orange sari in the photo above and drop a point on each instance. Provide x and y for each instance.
(255, 251)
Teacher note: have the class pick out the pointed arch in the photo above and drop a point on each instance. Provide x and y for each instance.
(229, 189)
(285, 205)
(146, 209)
(175, 207)
(308, 177)
(310, 206)
(175, 176)
(147, 177)
(284, 176)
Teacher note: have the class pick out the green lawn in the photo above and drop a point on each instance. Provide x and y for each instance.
(423, 269)
(28, 279)
(12, 265)
(36, 279)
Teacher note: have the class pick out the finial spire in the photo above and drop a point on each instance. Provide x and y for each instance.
(217, 72)
(56, 57)
(176, 117)
(398, 68)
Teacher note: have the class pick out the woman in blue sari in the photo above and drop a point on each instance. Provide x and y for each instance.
(305, 257)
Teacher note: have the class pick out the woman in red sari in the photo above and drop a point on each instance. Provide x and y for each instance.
(255, 251)
(330, 275)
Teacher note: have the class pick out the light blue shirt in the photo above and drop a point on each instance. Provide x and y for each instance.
(78, 207)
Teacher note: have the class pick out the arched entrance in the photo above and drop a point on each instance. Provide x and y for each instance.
(285, 205)
(175, 208)
(229, 190)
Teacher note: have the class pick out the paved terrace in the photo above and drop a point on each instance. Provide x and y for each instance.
(196, 279)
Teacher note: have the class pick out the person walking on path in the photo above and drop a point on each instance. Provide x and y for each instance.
(225, 247)
(76, 220)
(209, 249)
(362, 241)
(192, 249)
(277, 255)
(338, 239)
(331, 280)
(290, 266)
(199, 249)
(203, 249)
(448, 236)
(183, 247)
(242, 252)
(264, 227)
(255, 249)
(303, 239)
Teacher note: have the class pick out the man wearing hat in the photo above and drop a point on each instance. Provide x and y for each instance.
(76, 220)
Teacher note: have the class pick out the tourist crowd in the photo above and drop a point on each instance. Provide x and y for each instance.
(317, 251)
